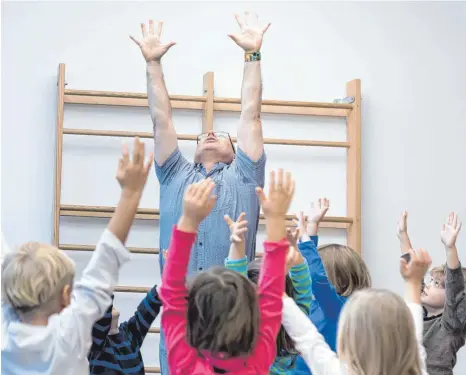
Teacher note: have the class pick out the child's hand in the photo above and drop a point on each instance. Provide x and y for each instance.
(292, 236)
(281, 191)
(402, 229)
(415, 270)
(132, 174)
(293, 257)
(197, 204)
(450, 230)
(237, 228)
(316, 215)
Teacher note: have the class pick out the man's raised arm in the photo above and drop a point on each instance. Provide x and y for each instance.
(159, 102)
(250, 139)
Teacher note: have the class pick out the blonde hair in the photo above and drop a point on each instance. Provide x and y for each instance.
(376, 335)
(345, 269)
(439, 272)
(34, 275)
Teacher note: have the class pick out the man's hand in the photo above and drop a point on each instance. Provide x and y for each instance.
(281, 191)
(198, 201)
(151, 46)
(450, 230)
(402, 229)
(237, 228)
(415, 270)
(250, 37)
(132, 174)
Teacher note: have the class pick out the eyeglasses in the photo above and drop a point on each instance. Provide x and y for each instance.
(219, 135)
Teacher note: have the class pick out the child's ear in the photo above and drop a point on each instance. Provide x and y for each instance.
(66, 296)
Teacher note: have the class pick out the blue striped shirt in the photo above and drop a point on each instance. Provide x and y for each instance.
(120, 354)
(235, 191)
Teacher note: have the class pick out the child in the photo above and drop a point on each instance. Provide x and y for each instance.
(221, 324)
(297, 285)
(46, 321)
(378, 333)
(116, 348)
(443, 300)
(336, 272)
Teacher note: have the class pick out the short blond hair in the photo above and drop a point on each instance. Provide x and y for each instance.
(34, 275)
(345, 269)
(439, 272)
(376, 335)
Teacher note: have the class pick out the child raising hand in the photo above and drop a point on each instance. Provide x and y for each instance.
(220, 323)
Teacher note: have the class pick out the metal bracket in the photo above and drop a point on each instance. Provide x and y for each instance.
(65, 84)
(347, 100)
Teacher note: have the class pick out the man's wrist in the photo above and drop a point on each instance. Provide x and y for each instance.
(128, 194)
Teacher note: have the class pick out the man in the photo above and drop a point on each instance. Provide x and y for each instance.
(236, 174)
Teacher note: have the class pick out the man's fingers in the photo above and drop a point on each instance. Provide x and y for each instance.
(239, 20)
(151, 27)
(158, 29)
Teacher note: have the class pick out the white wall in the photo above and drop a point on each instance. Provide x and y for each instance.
(410, 57)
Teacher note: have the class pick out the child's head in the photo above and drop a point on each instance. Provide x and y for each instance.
(376, 334)
(223, 313)
(345, 269)
(433, 293)
(285, 345)
(37, 280)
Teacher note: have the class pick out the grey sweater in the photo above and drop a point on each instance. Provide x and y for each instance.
(444, 334)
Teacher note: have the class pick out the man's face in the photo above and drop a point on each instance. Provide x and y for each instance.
(218, 143)
(433, 294)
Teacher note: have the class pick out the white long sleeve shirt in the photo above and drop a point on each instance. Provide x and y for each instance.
(62, 346)
(315, 351)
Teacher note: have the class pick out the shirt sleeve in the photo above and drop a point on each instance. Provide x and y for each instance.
(100, 331)
(417, 313)
(271, 286)
(301, 278)
(253, 172)
(174, 296)
(309, 342)
(175, 163)
(92, 295)
(454, 313)
(324, 292)
(238, 265)
(138, 325)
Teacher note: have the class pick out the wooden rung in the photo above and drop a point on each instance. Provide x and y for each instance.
(155, 211)
(134, 250)
(152, 370)
(154, 330)
(188, 137)
(281, 110)
(132, 289)
(126, 102)
(203, 99)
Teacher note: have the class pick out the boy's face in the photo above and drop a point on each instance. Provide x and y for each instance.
(433, 294)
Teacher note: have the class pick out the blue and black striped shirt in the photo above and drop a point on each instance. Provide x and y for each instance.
(120, 354)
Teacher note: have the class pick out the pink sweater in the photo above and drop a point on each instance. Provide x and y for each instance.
(182, 358)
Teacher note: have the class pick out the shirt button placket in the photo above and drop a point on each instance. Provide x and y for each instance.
(200, 247)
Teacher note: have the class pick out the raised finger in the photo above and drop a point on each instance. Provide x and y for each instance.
(207, 191)
(272, 186)
(241, 216)
(239, 20)
(246, 16)
(158, 30)
(265, 28)
(125, 153)
(291, 188)
(143, 30)
(138, 152)
(202, 186)
(228, 220)
(287, 180)
(454, 220)
(280, 179)
(261, 195)
(151, 27)
(135, 40)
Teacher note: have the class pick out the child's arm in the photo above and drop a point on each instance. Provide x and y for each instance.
(402, 232)
(92, 295)
(413, 273)
(271, 284)
(237, 260)
(309, 342)
(299, 273)
(454, 313)
(197, 204)
(138, 325)
(100, 331)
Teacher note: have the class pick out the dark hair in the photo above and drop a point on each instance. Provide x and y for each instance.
(223, 313)
(285, 345)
